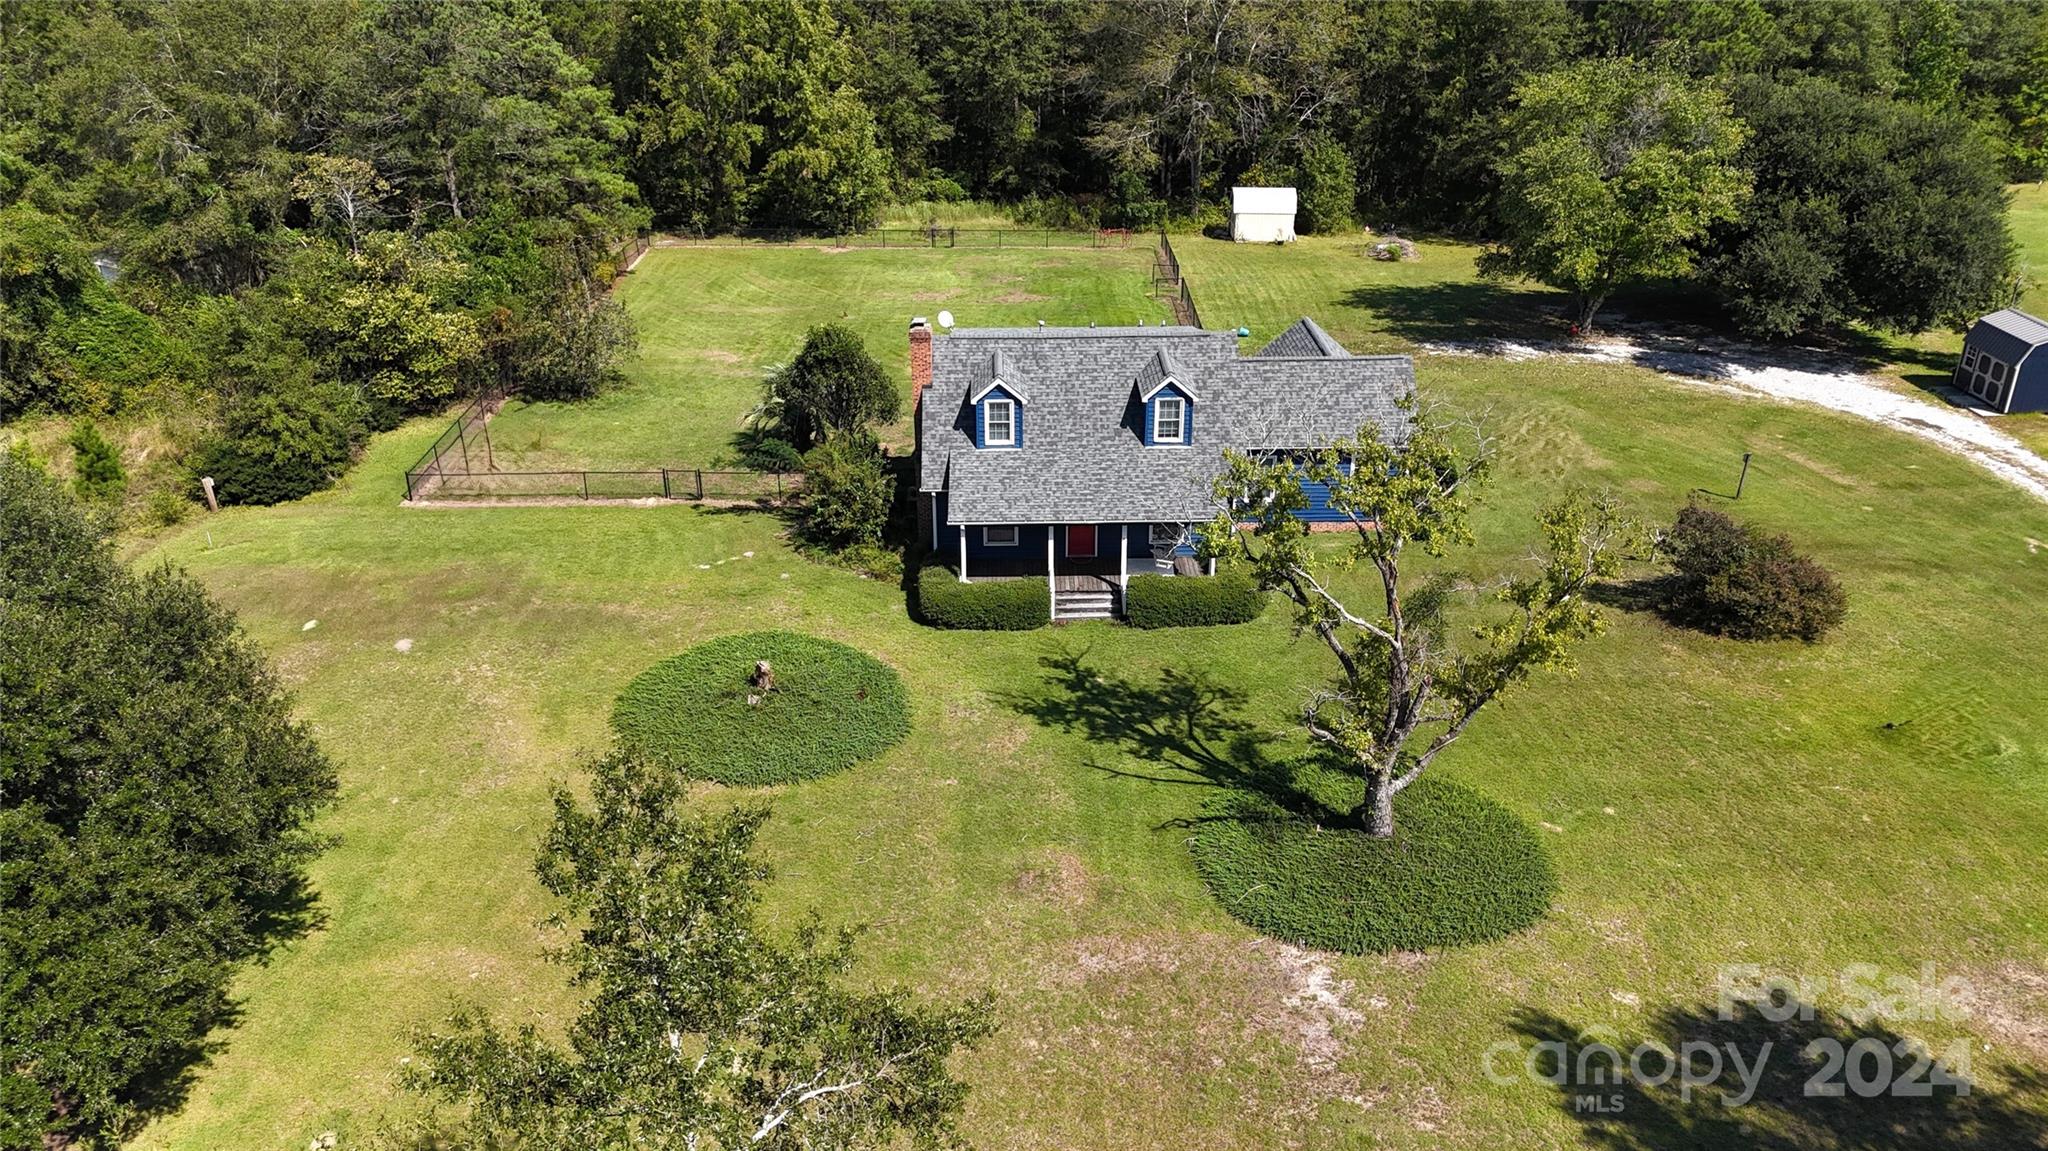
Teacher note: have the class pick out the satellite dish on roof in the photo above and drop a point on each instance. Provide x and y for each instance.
(945, 319)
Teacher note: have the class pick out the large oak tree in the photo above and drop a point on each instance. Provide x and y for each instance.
(1617, 172)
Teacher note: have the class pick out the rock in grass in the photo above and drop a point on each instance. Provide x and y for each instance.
(825, 707)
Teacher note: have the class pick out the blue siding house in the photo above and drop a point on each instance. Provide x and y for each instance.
(2005, 362)
(1083, 456)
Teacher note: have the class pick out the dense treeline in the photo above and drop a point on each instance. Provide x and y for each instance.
(314, 219)
(301, 222)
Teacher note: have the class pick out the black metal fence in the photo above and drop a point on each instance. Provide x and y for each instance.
(928, 237)
(1168, 278)
(458, 450)
(1165, 266)
(648, 483)
(629, 251)
(460, 465)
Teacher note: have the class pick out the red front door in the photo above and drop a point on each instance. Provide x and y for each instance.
(1080, 541)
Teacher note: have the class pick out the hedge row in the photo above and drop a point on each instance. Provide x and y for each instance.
(1460, 869)
(831, 707)
(993, 605)
(1192, 601)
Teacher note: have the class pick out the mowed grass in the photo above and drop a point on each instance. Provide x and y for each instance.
(1878, 799)
(2029, 216)
(1375, 306)
(712, 321)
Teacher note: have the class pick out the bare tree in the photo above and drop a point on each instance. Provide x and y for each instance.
(1404, 691)
(342, 191)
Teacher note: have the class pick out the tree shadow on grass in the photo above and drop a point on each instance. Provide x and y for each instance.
(1460, 312)
(283, 918)
(1651, 594)
(1623, 1112)
(1186, 723)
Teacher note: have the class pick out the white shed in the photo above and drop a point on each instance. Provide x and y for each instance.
(1262, 215)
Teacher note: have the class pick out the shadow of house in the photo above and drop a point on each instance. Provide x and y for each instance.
(1187, 724)
(1792, 1108)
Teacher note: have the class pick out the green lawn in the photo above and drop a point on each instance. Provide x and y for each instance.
(1375, 306)
(1880, 798)
(2030, 229)
(712, 320)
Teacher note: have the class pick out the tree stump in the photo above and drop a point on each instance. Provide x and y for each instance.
(763, 679)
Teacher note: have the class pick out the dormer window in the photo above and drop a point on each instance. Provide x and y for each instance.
(1163, 387)
(1001, 422)
(1169, 420)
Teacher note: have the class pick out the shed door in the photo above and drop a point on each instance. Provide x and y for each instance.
(1080, 541)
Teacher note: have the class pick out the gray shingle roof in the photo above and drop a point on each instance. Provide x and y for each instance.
(1304, 340)
(1164, 365)
(998, 366)
(1083, 458)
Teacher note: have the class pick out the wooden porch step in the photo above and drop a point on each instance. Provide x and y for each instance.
(1091, 604)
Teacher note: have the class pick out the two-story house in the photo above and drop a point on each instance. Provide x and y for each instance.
(1083, 456)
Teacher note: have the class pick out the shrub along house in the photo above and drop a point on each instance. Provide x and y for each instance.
(2005, 362)
(1083, 456)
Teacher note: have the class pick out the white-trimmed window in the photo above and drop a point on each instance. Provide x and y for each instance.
(1164, 535)
(994, 536)
(999, 423)
(1169, 420)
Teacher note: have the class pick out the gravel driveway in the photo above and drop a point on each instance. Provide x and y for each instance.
(1799, 375)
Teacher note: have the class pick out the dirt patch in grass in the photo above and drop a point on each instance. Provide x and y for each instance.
(1020, 298)
(1062, 879)
(1270, 1020)
(1316, 1007)
(2008, 1003)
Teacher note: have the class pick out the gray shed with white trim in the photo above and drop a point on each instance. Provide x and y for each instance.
(2005, 362)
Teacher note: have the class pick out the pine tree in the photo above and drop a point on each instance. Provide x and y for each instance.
(98, 474)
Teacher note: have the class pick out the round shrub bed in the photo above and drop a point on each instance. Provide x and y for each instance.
(829, 708)
(1459, 869)
(993, 605)
(1192, 601)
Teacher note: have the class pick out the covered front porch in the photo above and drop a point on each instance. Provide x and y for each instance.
(1086, 567)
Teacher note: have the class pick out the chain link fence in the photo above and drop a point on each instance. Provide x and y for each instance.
(461, 466)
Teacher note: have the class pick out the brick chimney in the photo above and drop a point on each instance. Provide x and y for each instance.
(920, 360)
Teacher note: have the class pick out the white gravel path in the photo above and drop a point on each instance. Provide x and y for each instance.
(1799, 375)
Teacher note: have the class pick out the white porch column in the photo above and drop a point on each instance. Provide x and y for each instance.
(1123, 556)
(1052, 582)
(963, 553)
